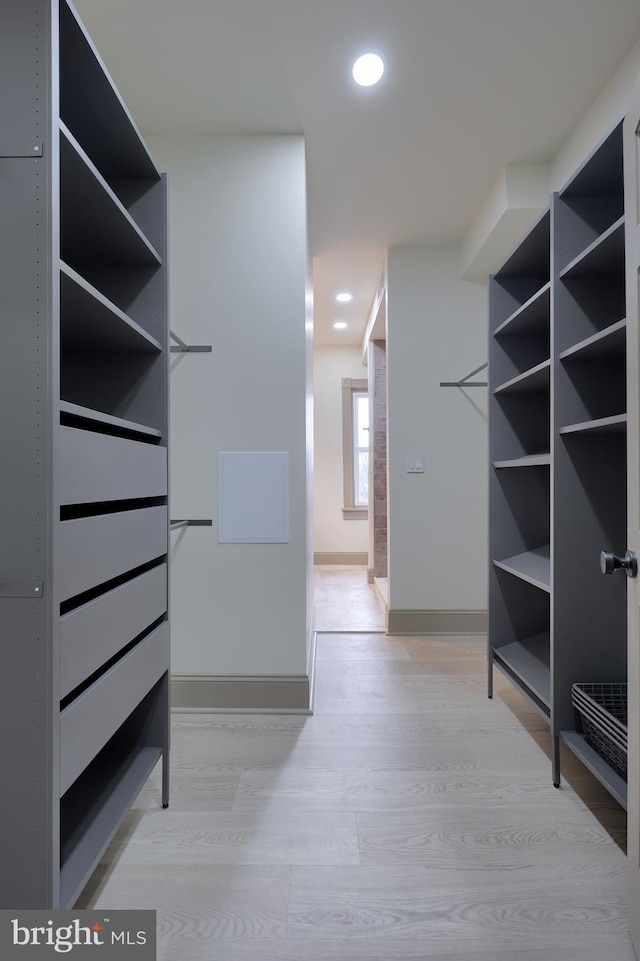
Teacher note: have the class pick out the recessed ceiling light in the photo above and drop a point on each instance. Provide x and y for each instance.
(339, 325)
(344, 297)
(368, 69)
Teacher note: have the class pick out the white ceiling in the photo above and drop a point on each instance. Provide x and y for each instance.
(469, 86)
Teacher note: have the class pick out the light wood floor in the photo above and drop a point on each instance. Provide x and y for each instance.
(409, 818)
(345, 601)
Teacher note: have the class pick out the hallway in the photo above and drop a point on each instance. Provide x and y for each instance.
(345, 601)
(408, 818)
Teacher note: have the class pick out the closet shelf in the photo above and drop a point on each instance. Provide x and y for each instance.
(606, 343)
(603, 425)
(534, 380)
(603, 257)
(533, 316)
(89, 321)
(601, 173)
(113, 784)
(597, 765)
(97, 417)
(532, 566)
(94, 111)
(529, 460)
(94, 222)
(529, 660)
(530, 260)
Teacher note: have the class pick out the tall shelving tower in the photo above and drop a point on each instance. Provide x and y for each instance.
(84, 480)
(557, 350)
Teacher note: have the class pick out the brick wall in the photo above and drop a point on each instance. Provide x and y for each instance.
(379, 447)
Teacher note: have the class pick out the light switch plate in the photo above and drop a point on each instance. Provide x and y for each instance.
(415, 464)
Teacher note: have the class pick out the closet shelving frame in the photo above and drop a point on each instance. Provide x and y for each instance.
(84, 376)
(558, 454)
(519, 389)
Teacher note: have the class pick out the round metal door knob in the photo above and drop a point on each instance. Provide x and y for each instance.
(610, 562)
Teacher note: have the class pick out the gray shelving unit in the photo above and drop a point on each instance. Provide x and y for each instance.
(558, 453)
(84, 481)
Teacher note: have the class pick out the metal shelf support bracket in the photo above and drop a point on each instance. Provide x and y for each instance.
(183, 348)
(175, 525)
(465, 382)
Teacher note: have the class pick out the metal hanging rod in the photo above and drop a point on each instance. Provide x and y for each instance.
(183, 348)
(465, 382)
(175, 525)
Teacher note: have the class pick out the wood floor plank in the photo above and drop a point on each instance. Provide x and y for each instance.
(437, 665)
(488, 837)
(196, 902)
(392, 702)
(429, 753)
(178, 949)
(492, 720)
(203, 753)
(467, 684)
(483, 907)
(216, 838)
(191, 792)
(394, 791)
(337, 647)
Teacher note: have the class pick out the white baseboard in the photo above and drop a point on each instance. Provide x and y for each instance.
(269, 694)
(361, 559)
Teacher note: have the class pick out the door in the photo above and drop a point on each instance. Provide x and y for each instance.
(632, 240)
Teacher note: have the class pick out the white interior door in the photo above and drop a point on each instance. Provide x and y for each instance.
(632, 231)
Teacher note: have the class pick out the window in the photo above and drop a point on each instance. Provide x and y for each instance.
(355, 438)
(360, 448)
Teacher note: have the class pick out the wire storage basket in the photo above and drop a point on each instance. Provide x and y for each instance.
(603, 713)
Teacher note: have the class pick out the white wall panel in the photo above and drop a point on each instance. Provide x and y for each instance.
(437, 330)
(238, 266)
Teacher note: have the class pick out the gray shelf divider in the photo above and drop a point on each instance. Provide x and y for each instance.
(94, 223)
(579, 633)
(530, 460)
(617, 424)
(91, 322)
(535, 379)
(607, 342)
(601, 257)
(597, 765)
(532, 316)
(529, 659)
(97, 417)
(84, 435)
(533, 566)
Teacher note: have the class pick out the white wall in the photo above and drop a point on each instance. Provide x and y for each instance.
(332, 533)
(437, 330)
(603, 113)
(238, 270)
(509, 212)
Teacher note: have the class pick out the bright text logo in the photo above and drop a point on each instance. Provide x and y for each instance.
(83, 935)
